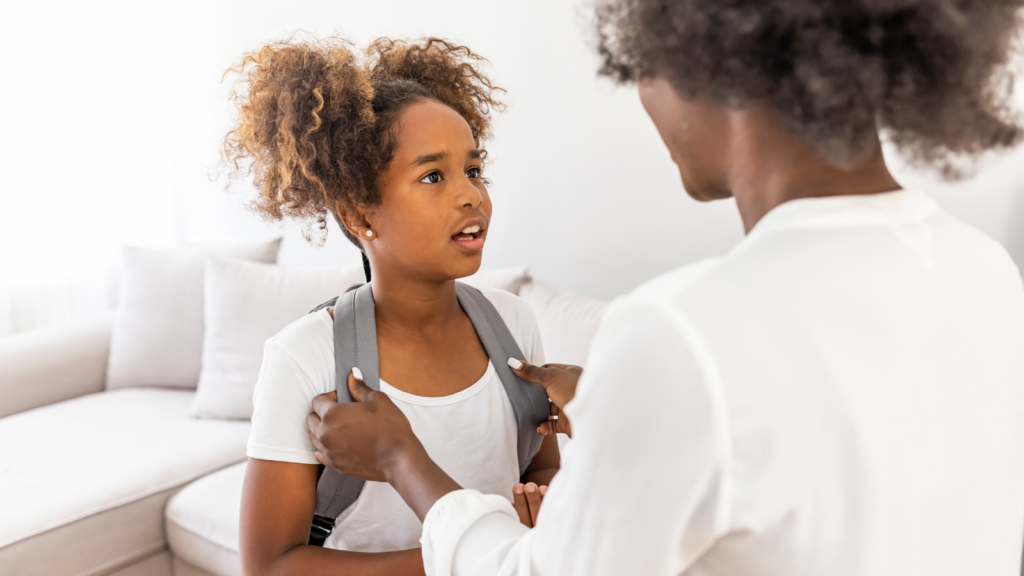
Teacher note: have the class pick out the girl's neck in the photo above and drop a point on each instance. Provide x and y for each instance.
(412, 305)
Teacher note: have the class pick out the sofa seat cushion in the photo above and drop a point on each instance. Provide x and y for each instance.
(202, 522)
(83, 483)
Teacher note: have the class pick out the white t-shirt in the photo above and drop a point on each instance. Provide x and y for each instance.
(841, 395)
(471, 434)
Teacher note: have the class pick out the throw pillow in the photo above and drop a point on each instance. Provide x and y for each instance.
(567, 321)
(157, 337)
(246, 304)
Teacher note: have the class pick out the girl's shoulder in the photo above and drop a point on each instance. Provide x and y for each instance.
(513, 310)
(521, 320)
(308, 340)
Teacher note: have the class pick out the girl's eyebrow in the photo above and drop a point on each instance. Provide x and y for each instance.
(438, 156)
(428, 158)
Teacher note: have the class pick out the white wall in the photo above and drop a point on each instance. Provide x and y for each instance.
(116, 116)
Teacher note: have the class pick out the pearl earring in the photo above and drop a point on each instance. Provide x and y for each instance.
(369, 233)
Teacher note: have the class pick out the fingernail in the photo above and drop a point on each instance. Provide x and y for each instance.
(518, 488)
(357, 373)
(543, 490)
(531, 487)
(515, 364)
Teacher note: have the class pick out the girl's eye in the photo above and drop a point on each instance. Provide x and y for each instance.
(432, 178)
(473, 173)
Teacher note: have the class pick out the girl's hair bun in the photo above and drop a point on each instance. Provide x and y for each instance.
(314, 118)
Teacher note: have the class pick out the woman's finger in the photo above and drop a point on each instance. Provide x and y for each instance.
(316, 441)
(313, 422)
(320, 457)
(527, 371)
(519, 503)
(359, 390)
(322, 402)
(533, 499)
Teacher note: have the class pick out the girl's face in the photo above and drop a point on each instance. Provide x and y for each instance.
(432, 221)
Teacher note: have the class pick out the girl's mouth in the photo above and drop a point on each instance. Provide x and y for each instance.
(471, 238)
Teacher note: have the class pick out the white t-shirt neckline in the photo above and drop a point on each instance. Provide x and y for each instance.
(459, 396)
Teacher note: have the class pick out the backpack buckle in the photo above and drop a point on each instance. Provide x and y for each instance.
(320, 529)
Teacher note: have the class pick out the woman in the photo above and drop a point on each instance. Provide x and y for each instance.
(390, 143)
(840, 394)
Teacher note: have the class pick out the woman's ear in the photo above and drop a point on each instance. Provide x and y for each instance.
(356, 221)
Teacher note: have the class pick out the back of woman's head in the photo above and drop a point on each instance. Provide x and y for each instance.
(933, 74)
(316, 120)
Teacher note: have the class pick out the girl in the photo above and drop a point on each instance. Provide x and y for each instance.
(390, 144)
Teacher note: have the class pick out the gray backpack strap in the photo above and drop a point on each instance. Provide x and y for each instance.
(529, 401)
(355, 344)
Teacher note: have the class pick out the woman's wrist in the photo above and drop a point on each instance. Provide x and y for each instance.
(418, 479)
(405, 459)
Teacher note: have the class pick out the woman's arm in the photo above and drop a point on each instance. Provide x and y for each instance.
(372, 439)
(278, 499)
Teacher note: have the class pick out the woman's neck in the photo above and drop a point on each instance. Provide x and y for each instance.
(771, 166)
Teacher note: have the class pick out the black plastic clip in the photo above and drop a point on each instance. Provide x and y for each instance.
(320, 530)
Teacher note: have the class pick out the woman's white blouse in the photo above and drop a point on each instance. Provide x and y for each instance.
(841, 394)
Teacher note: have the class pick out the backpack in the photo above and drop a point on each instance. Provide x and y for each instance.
(355, 344)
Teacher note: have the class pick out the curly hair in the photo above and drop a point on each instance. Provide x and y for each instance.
(932, 74)
(315, 119)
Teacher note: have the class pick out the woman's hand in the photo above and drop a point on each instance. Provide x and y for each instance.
(559, 380)
(365, 438)
(527, 500)
(372, 439)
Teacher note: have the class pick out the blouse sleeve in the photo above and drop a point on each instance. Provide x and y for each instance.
(644, 486)
(282, 400)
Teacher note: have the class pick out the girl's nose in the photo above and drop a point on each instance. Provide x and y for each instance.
(469, 196)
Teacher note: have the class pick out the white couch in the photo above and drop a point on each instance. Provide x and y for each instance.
(124, 482)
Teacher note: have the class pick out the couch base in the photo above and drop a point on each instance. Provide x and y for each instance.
(182, 568)
(159, 564)
(74, 549)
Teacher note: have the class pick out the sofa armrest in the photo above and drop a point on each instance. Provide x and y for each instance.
(48, 365)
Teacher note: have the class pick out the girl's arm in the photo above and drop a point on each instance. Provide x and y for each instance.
(545, 464)
(278, 499)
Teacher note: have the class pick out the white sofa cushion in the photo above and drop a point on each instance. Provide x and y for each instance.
(202, 522)
(157, 337)
(83, 483)
(568, 321)
(246, 304)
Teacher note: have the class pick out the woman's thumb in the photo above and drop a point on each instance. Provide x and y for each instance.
(356, 386)
(527, 372)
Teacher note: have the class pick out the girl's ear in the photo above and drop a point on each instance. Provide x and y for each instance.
(356, 222)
